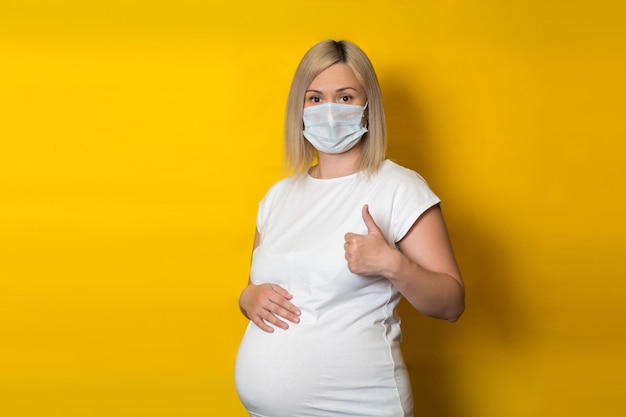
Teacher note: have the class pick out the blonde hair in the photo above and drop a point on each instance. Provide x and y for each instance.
(299, 153)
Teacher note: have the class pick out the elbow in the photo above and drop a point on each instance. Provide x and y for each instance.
(456, 314)
(451, 312)
(458, 307)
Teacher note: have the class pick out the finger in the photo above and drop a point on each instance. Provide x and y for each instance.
(287, 314)
(350, 251)
(281, 291)
(349, 237)
(284, 308)
(266, 317)
(372, 227)
(276, 321)
(280, 298)
(260, 323)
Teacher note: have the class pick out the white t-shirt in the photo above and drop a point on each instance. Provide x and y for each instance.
(343, 358)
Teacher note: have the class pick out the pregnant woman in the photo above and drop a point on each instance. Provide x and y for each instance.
(337, 244)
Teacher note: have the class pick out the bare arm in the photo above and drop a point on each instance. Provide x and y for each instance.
(267, 303)
(423, 269)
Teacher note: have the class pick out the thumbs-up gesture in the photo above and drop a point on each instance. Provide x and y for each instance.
(367, 254)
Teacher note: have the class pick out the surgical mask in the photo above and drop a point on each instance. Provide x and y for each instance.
(333, 128)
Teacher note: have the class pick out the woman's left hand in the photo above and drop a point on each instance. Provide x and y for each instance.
(367, 254)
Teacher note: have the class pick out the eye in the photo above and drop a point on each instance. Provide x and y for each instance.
(345, 99)
(314, 99)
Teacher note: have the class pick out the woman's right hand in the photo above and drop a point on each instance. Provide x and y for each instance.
(268, 303)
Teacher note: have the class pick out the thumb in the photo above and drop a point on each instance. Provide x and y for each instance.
(372, 227)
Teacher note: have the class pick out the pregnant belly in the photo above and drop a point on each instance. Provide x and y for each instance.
(317, 370)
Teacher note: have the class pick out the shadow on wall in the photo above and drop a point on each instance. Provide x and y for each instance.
(432, 347)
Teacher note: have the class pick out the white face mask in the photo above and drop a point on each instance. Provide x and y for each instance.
(333, 128)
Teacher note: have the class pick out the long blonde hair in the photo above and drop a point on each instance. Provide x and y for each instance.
(299, 153)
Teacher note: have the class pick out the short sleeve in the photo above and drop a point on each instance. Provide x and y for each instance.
(412, 197)
(266, 204)
(263, 211)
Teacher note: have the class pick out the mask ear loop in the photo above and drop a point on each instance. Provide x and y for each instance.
(367, 119)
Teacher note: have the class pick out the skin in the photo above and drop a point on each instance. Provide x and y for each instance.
(422, 266)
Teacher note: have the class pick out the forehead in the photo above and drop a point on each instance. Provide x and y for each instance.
(335, 77)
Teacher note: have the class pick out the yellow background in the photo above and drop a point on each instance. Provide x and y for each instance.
(136, 138)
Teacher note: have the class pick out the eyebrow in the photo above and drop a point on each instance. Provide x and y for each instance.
(339, 90)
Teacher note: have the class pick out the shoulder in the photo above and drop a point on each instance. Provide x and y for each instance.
(405, 187)
(406, 196)
(395, 173)
(281, 187)
(275, 195)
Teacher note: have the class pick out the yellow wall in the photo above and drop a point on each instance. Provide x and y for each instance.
(136, 138)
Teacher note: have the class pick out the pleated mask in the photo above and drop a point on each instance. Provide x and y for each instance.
(334, 128)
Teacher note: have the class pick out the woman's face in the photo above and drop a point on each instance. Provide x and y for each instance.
(336, 84)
